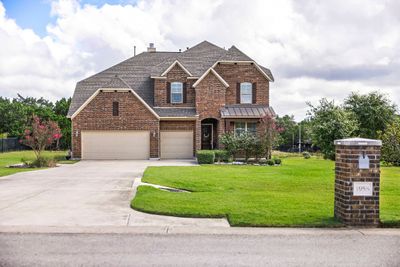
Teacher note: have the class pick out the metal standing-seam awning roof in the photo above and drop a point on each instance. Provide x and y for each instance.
(247, 111)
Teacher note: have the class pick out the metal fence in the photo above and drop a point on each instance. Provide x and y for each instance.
(10, 144)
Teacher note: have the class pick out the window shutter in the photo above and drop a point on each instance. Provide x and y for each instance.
(168, 92)
(238, 93)
(184, 92)
(254, 93)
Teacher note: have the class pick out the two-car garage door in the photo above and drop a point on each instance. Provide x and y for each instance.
(135, 144)
(115, 144)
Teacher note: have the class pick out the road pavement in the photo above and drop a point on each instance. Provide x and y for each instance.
(203, 247)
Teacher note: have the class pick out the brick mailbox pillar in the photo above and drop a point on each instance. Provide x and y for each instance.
(357, 181)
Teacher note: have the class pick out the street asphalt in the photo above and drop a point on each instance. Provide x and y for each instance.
(226, 247)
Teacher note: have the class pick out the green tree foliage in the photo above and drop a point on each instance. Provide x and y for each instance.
(287, 137)
(330, 122)
(373, 112)
(18, 112)
(60, 116)
(391, 143)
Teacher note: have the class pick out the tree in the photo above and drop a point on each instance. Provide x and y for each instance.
(391, 143)
(269, 132)
(289, 135)
(41, 135)
(13, 117)
(373, 112)
(17, 113)
(328, 123)
(60, 116)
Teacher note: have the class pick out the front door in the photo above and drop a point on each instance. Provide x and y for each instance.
(206, 136)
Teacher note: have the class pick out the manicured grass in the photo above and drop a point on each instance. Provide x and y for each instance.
(298, 193)
(8, 158)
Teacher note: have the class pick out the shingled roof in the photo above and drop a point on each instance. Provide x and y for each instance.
(135, 73)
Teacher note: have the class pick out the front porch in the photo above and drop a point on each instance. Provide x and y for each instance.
(233, 118)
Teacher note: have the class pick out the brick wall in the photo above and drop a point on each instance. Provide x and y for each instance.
(234, 73)
(97, 115)
(350, 209)
(210, 97)
(176, 74)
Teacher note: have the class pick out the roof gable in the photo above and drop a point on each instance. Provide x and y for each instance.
(176, 62)
(211, 71)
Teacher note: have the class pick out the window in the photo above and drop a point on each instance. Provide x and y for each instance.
(246, 96)
(176, 92)
(115, 109)
(242, 127)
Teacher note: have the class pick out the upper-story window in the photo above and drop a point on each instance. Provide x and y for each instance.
(176, 92)
(246, 93)
(115, 108)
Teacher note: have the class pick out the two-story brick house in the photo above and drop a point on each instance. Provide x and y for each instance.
(168, 104)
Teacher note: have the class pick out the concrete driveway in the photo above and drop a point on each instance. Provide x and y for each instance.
(88, 193)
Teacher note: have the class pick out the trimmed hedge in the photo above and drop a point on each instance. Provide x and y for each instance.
(222, 156)
(270, 162)
(205, 156)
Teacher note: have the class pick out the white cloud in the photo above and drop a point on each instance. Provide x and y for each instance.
(314, 48)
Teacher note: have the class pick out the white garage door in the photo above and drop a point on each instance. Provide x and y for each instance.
(177, 144)
(115, 144)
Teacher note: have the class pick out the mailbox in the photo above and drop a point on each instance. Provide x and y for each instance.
(363, 161)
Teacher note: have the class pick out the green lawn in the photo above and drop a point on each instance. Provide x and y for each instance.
(15, 157)
(298, 193)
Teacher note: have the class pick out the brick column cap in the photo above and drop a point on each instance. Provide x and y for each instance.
(358, 142)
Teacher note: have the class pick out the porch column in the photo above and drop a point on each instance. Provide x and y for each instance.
(198, 134)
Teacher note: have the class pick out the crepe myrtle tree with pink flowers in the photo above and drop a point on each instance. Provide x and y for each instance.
(41, 135)
(269, 134)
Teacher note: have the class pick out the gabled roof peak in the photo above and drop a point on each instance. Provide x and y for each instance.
(203, 45)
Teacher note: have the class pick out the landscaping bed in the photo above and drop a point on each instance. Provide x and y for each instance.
(298, 193)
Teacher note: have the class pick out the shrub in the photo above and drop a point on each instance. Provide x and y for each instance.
(277, 161)
(270, 162)
(306, 155)
(221, 155)
(205, 156)
(230, 143)
(391, 143)
(247, 142)
(43, 162)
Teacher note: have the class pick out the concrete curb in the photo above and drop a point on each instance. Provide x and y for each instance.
(184, 230)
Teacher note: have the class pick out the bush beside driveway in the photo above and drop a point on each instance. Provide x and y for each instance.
(298, 193)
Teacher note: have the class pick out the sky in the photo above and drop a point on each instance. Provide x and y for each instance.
(314, 48)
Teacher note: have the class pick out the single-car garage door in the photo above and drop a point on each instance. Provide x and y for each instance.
(176, 144)
(115, 144)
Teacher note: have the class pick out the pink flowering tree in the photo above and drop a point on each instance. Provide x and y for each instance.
(269, 134)
(41, 135)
